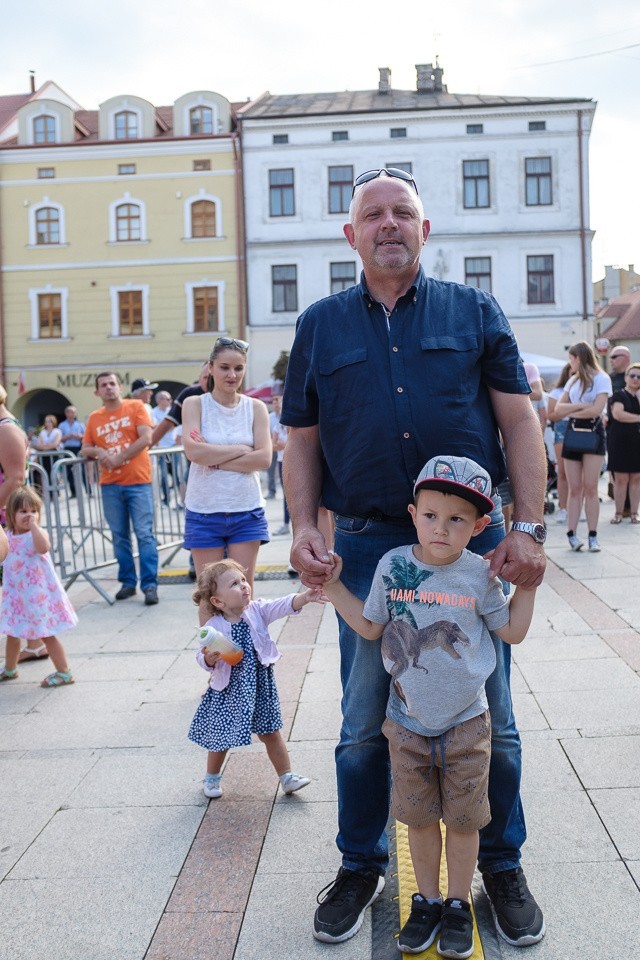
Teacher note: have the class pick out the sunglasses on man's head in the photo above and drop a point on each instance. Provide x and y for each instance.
(394, 172)
(232, 342)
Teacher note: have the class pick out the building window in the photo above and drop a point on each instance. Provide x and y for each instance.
(130, 315)
(284, 285)
(47, 225)
(44, 129)
(477, 272)
(540, 280)
(537, 124)
(340, 135)
(475, 128)
(126, 169)
(128, 222)
(340, 187)
(205, 309)
(537, 171)
(280, 138)
(475, 175)
(281, 195)
(203, 218)
(49, 316)
(397, 132)
(343, 275)
(202, 164)
(201, 120)
(46, 173)
(126, 125)
(407, 167)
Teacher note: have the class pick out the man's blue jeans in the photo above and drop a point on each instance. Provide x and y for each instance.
(126, 507)
(362, 756)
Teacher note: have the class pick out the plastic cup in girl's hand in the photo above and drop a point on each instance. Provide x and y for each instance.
(215, 642)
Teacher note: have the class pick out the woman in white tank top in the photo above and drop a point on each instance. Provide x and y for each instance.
(226, 437)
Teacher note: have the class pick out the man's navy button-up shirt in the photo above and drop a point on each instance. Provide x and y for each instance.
(389, 392)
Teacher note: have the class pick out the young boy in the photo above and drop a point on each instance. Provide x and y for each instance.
(433, 604)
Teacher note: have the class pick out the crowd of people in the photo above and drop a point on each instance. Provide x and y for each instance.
(387, 521)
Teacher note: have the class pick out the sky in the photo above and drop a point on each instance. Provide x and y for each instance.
(161, 49)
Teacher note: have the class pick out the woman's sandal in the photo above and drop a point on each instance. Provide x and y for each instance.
(617, 518)
(57, 679)
(8, 675)
(634, 518)
(40, 653)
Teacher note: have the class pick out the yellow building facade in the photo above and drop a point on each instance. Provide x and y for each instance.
(121, 245)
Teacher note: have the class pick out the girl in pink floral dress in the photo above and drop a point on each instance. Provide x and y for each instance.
(34, 603)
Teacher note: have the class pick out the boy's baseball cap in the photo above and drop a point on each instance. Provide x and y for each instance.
(458, 475)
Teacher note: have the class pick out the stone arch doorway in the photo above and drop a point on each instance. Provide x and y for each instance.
(32, 407)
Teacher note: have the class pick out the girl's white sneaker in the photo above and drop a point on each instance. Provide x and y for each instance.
(290, 782)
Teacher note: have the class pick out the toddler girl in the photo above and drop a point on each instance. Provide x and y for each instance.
(242, 699)
(34, 603)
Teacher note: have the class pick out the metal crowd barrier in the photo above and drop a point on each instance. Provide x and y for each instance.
(80, 537)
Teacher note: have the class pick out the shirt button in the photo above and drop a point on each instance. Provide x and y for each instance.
(406, 435)
(400, 390)
(395, 349)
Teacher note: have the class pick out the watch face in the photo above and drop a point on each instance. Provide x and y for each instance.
(539, 533)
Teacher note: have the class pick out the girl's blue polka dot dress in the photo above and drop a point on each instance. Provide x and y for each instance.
(248, 704)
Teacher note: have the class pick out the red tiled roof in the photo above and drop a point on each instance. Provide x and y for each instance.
(10, 104)
(624, 312)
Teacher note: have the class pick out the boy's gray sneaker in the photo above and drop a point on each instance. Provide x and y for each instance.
(575, 542)
(341, 911)
(594, 546)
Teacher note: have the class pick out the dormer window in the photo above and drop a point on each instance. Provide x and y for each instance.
(201, 120)
(44, 129)
(126, 125)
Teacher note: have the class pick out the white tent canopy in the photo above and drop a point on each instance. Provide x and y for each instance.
(549, 367)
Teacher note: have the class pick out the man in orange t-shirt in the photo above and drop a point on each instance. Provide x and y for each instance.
(118, 436)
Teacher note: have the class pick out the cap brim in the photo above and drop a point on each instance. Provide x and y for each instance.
(484, 504)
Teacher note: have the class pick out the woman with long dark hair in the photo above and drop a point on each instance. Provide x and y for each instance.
(583, 401)
(226, 437)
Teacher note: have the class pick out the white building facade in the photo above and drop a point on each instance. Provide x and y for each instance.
(504, 181)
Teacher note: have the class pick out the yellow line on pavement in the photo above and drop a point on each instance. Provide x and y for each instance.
(407, 887)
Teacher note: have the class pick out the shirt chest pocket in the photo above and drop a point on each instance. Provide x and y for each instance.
(345, 383)
(450, 365)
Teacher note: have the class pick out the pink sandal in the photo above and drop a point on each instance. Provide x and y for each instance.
(617, 518)
(634, 518)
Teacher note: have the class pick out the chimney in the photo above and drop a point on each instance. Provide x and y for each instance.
(425, 82)
(384, 84)
(32, 80)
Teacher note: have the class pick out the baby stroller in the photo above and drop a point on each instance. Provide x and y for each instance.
(551, 492)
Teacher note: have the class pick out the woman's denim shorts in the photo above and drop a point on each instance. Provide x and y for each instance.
(202, 531)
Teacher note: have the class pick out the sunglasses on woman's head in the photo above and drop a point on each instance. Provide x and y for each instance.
(393, 172)
(232, 342)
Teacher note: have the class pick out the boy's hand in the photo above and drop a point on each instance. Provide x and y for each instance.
(334, 576)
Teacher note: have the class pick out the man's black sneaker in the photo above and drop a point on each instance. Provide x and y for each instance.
(517, 916)
(420, 930)
(151, 596)
(456, 935)
(341, 910)
(125, 592)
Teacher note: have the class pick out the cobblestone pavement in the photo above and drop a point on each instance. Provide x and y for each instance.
(109, 849)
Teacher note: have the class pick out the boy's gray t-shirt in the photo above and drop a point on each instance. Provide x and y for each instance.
(436, 645)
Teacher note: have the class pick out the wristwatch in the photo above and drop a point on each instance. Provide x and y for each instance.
(535, 530)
